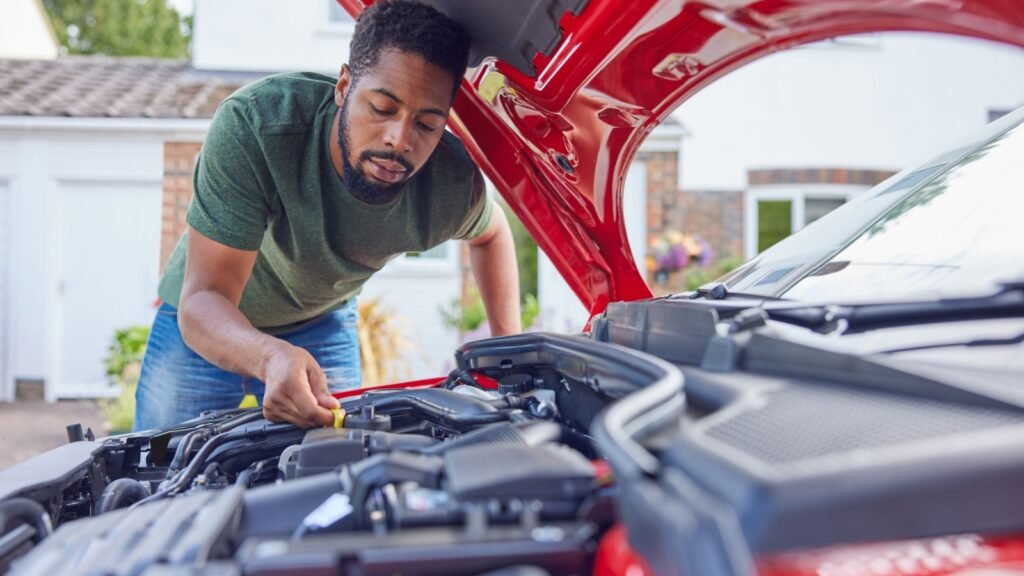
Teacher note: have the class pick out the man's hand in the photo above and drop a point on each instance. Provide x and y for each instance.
(213, 326)
(296, 388)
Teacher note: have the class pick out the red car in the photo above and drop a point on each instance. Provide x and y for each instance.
(730, 431)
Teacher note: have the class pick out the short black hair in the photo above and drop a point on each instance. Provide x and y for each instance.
(410, 27)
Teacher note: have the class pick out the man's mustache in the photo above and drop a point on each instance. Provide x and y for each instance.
(386, 155)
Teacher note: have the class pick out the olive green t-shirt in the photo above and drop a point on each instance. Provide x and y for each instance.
(264, 181)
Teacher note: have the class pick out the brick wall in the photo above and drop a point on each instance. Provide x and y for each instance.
(715, 216)
(817, 176)
(179, 161)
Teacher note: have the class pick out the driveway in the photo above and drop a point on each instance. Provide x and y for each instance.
(30, 427)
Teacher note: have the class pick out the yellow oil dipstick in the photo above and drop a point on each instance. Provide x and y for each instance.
(339, 417)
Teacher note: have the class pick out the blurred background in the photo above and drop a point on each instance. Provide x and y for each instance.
(104, 105)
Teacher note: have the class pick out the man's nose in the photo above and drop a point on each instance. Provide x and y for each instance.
(398, 136)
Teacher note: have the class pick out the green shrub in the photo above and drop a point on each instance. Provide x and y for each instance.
(467, 317)
(697, 277)
(123, 362)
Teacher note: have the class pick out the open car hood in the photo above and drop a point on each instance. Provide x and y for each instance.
(555, 111)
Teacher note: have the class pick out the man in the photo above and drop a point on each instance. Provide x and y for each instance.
(305, 187)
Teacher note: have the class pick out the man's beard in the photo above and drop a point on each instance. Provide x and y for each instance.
(354, 180)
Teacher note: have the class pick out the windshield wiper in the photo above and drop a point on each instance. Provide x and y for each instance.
(1018, 339)
(719, 291)
(1007, 302)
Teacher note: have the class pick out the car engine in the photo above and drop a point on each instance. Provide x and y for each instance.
(491, 468)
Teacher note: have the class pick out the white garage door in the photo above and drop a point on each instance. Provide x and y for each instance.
(108, 267)
(6, 382)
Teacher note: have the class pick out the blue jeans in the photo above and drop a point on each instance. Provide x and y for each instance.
(177, 384)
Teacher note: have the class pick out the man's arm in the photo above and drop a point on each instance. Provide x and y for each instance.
(492, 256)
(212, 325)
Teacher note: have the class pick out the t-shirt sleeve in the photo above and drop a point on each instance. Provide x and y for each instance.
(229, 205)
(478, 217)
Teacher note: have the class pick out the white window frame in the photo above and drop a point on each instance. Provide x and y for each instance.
(795, 193)
(427, 267)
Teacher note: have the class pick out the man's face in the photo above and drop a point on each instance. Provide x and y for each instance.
(390, 121)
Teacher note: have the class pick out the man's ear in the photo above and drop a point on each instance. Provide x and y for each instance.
(343, 85)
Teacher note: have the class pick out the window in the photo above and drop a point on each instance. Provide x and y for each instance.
(774, 222)
(815, 208)
(436, 253)
(773, 212)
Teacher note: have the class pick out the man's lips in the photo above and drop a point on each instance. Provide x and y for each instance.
(386, 170)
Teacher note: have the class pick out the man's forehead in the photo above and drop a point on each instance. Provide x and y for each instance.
(409, 79)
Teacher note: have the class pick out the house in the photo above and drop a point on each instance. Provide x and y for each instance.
(777, 144)
(799, 133)
(96, 156)
(90, 165)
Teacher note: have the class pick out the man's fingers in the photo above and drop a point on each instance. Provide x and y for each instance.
(287, 414)
(318, 384)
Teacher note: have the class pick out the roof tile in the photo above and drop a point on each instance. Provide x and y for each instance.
(104, 87)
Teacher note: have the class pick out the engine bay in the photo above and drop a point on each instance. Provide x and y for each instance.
(495, 466)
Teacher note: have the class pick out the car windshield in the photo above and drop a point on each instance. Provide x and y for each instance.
(950, 227)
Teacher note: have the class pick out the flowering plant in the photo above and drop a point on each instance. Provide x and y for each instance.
(674, 251)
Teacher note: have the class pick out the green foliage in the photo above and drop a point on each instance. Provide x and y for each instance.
(526, 255)
(123, 361)
(697, 277)
(466, 318)
(120, 27)
(529, 311)
(774, 222)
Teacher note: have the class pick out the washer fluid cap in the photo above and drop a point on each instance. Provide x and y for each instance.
(516, 384)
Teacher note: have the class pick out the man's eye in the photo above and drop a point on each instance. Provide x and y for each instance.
(380, 112)
(426, 127)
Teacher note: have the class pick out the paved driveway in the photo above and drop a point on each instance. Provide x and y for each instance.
(30, 427)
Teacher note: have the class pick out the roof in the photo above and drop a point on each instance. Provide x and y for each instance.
(104, 87)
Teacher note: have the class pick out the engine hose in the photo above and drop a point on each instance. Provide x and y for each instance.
(440, 415)
(236, 421)
(119, 494)
(377, 471)
(531, 433)
(184, 447)
(197, 465)
(187, 443)
(17, 511)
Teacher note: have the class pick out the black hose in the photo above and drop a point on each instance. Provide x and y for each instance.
(376, 471)
(532, 433)
(120, 493)
(184, 447)
(197, 465)
(187, 443)
(246, 477)
(17, 511)
(441, 415)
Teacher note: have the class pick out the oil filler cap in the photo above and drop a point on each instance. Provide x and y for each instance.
(516, 384)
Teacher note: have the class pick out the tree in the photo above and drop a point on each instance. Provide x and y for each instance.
(120, 27)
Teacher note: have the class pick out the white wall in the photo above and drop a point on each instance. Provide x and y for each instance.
(25, 31)
(268, 36)
(414, 290)
(6, 383)
(877, 102)
(84, 239)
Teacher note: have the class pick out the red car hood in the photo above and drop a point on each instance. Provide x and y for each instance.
(558, 145)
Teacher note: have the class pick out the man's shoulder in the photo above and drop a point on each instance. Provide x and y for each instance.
(280, 101)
